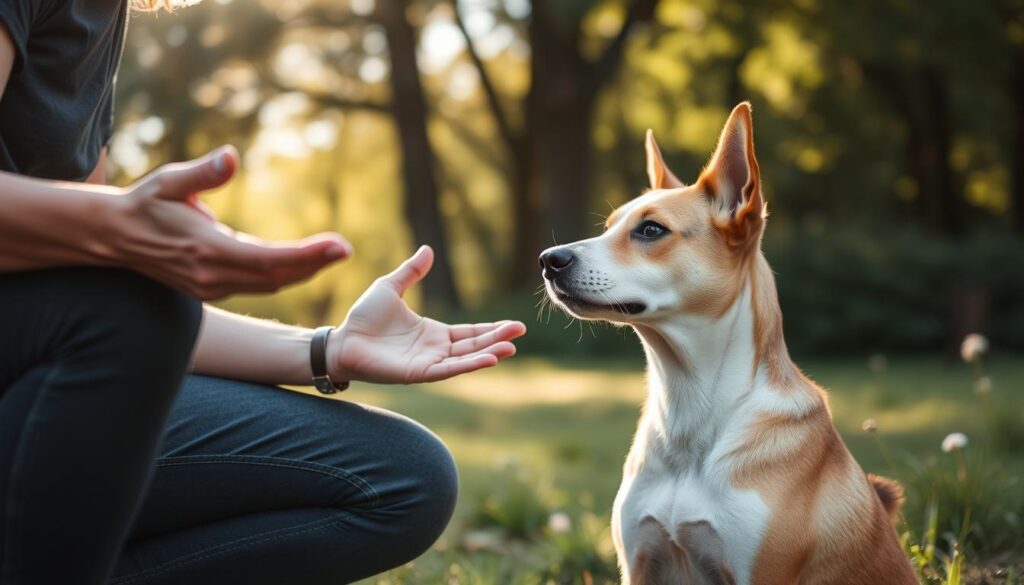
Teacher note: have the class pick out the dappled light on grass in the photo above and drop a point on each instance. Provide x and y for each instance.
(540, 381)
(564, 454)
(922, 415)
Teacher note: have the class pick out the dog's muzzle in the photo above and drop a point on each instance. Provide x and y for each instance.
(578, 295)
(556, 261)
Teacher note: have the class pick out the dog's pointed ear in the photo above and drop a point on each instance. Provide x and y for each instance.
(733, 180)
(657, 172)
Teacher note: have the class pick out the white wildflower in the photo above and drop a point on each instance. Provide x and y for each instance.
(507, 462)
(870, 425)
(475, 540)
(559, 523)
(973, 347)
(954, 441)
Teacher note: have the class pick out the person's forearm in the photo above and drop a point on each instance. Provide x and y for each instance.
(46, 224)
(244, 348)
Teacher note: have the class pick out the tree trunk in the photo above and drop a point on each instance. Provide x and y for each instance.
(551, 154)
(422, 196)
(526, 243)
(920, 99)
(559, 107)
(562, 159)
(949, 209)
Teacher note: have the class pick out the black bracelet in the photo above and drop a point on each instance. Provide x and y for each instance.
(318, 363)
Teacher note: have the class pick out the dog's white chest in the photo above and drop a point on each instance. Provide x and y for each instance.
(707, 522)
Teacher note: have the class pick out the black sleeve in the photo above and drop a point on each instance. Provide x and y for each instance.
(19, 17)
(107, 123)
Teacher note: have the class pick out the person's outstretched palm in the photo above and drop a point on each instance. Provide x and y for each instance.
(382, 340)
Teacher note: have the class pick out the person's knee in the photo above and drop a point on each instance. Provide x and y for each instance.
(431, 486)
(438, 482)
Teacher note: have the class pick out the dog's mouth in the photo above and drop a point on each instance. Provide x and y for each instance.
(578, 304)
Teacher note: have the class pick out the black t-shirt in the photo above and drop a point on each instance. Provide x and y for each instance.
(56, 114)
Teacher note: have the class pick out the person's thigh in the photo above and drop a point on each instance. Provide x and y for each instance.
(90, 362)
(258, 484)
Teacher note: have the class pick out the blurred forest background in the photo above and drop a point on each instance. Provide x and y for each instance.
(890, 134)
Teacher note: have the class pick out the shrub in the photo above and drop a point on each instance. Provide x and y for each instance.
(516, 504)
(891, 288)
(968, 499)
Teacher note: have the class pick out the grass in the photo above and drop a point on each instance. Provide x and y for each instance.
(534, 436)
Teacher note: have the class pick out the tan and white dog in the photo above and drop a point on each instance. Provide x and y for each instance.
(736, 474)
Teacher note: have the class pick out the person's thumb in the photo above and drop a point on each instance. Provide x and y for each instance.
(412, 270)
(181, 181)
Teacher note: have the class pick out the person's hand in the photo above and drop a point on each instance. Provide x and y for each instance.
(160, 229)
(382, 340)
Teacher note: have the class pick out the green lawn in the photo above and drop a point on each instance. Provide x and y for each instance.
(566, 428)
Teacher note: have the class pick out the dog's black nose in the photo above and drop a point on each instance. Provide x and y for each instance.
(556, 260)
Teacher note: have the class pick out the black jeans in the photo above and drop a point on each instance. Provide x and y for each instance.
(115, 467)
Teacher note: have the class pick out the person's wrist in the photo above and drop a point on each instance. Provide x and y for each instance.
(336, 367)
(103, 217)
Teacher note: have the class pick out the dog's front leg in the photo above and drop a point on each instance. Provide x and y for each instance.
(652, 558)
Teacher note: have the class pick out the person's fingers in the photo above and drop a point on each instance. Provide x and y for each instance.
(412, 270)
(456, 366)
(467, 330)
(178, 181)
(211, 279)
(484, 358)
(314, 252)
(500, 350)
(504, 332)
(230, 263)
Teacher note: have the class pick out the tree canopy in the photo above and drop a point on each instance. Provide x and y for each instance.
(491, 128)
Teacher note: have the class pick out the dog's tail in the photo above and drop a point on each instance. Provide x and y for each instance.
(890, 492)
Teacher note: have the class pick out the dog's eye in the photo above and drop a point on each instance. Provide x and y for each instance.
(650, 230)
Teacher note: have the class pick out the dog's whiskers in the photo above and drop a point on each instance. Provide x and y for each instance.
(544, 302)
(571, 321)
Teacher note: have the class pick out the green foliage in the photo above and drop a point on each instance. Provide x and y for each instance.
(553, 538)
(1004, 424)
(573, 546)
(516, 504)
(973, 503)
(288, 83)
(844, 290)
(511, 414)
(584, 549)
(922, 553)
(456, 567)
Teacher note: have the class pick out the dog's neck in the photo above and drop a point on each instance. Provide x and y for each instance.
(703, 369)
